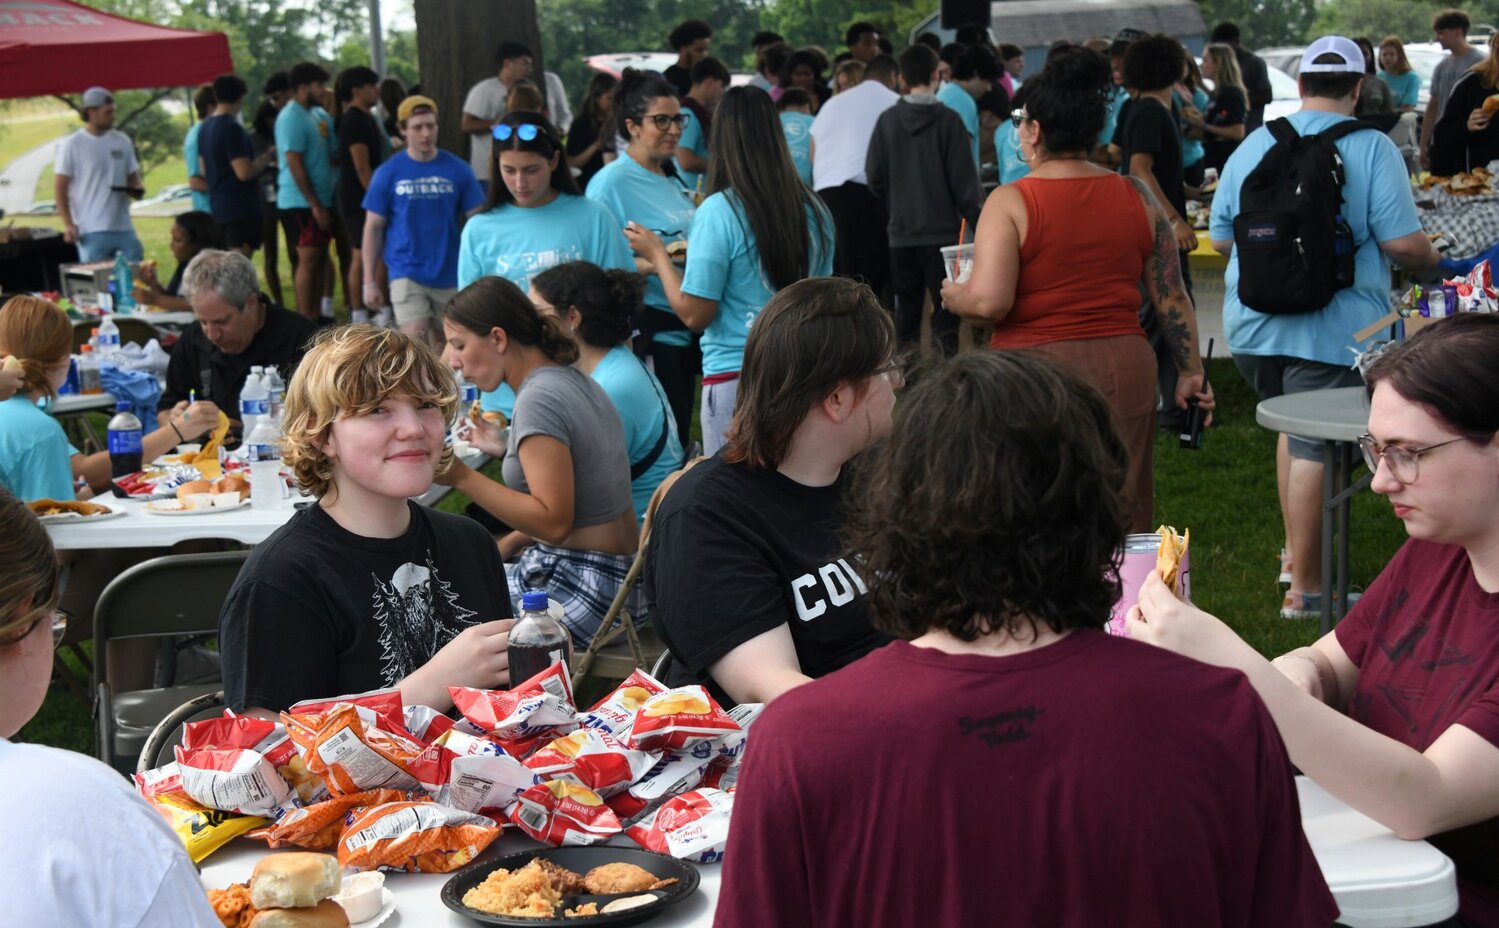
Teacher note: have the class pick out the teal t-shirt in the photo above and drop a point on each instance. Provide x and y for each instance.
(1192, 150)
(723, 264)
(797, 128)
(695, 140)
(190, 155)
(517, 244)
(643, 410)
(1012, 167)
(307, 132)
(663, 204)
(35, 456)
(1404, 88)
(1117, 98)
(958, 100)
(1378, 206)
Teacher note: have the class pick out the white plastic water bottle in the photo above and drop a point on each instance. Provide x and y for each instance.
(264, 446)
(276, 387)
(254, 402)
(109, 341)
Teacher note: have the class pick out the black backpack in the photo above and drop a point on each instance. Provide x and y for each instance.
(1295, 248)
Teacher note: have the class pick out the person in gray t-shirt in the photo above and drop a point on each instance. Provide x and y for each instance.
(1451, 30)
(566, 469)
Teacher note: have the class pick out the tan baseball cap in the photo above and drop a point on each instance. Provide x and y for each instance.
(413, 103)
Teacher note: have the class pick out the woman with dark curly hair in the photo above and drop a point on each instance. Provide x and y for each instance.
(988, 547)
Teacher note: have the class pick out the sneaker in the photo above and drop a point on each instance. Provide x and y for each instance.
(1301, 606)
(1285, 567)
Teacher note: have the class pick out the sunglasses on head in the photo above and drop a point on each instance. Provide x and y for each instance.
(527, 131)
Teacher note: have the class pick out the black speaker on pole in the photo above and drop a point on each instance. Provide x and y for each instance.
(957, 13)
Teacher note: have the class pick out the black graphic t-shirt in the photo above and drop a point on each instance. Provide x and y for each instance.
(1423, 637)
(736, 552)
(318, 611)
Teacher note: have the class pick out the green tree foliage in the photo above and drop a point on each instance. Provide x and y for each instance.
(1267, 22)
(1375, 19)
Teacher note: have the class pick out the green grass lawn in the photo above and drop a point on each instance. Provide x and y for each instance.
(17, 137)
(1225, 493)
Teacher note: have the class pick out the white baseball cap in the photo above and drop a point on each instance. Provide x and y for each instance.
(1346, 49)
(96, 96)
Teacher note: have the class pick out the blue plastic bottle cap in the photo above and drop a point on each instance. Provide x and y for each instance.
(122, 405)
(535, 599)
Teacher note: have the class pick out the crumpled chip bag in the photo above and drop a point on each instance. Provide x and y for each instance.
(319, 826)
(201, 829)
(679, 718)
(426, 724)
(729, 750)
(674, 773)
(593, 758)
(615, 713)
(231, 764)
(536, 711)
(472, 772)
(693, 826)
(353, 750)
(424, 837)
(560, 813)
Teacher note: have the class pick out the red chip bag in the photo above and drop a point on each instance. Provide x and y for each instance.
(591, 758)
(675, 773)
(319, 826)
(352, 755)
(615, 713)
(426, 724)
(543, 703)
(383, 705)
(677, 719)
(561, 813)
(693, 826)
(230, 764)
(414, 836)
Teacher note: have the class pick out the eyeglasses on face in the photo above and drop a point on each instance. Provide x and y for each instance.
(527, 131)
(1018, 116)
(58, 620)
(663, 121)
(1404, 463)
(892, 372)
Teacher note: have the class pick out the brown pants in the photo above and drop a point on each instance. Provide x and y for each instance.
(1123, 369)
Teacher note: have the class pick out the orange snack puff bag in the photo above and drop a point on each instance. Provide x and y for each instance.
(561, 813)
(353, 755)
(415, 836)
(678, 719)
(319, 826)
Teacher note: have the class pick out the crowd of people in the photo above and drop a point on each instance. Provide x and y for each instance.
(775, 251)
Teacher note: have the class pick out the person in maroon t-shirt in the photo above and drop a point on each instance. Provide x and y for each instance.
(1411, 676)
(1009, 762)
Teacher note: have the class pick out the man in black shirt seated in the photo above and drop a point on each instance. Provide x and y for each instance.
(237, 327)
(747, 577)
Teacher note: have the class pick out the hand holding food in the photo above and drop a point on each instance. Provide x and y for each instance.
(1164, 620)
(198, 418)
(644, 242)
(11, 375)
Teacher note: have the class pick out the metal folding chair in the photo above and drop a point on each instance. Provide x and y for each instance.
(158, 749)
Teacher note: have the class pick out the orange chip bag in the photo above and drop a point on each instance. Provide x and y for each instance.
(561, 813)
(319, 826)
(415, 836)
(677, 719)
(353, 755)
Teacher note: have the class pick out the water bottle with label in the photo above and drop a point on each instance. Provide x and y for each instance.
(124, 285)
(276, 388)
(536, 641)
(124, 440)
(109, 341)
(254, 402)
(264, 447)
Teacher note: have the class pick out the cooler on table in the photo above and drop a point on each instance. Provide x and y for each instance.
(82, 283)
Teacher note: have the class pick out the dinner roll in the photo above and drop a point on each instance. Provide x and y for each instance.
(291, 880)
(326, 914)
(1491, 103)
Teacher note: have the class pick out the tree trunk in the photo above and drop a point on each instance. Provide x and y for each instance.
(456, 42)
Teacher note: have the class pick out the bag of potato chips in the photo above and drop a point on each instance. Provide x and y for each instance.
(676, 719)
(561, 813)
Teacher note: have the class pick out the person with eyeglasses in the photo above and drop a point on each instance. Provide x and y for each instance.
(1071, 290)
(646, 187)
(748, 577)
(68, 869)
(759, 231)
(534, 217)
(1396, 710)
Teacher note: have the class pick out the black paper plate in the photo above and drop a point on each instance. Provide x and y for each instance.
(580, 860)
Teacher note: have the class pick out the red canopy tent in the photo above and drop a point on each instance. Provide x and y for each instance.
(55, 47)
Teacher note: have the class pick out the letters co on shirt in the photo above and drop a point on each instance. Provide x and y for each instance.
(834, 584)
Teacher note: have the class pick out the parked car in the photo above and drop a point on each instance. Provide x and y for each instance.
(615, 64)
(1423, 57)
(171, 199)
(43, 208)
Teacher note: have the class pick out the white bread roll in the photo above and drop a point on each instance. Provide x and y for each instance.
(293, 880)
(326, 914)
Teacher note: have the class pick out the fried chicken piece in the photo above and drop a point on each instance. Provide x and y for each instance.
(563, 880)
(526, 893)
(623, 878)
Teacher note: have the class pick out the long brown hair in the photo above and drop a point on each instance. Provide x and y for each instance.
(1402, 63)
(546, 144)
(811, 338)
(1488, 69)
(31, 567)
(39, 335)
(496, 303)
(748, 156)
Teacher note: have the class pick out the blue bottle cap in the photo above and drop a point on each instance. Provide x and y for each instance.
(534, 600)
(122, 406)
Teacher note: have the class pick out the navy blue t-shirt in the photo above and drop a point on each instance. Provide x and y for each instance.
(220, 141)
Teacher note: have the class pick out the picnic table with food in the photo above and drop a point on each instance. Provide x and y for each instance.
(1463, 207)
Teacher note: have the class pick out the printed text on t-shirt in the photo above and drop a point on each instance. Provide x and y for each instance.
(1002, 728)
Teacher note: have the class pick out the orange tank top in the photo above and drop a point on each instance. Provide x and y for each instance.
(1086, 243)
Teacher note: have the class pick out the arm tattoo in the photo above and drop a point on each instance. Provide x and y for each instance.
(1178, 336)
(1166, 279)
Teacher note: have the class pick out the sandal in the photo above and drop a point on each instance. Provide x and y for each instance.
(1285, 567)
(1301, 606)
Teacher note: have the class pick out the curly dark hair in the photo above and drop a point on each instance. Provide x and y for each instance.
(607, 300)
(995, 504)
(1154, 62)
(1069, 99)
